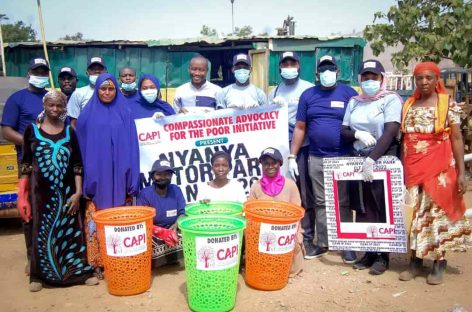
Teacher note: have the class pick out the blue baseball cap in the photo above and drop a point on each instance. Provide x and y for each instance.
(38, 62)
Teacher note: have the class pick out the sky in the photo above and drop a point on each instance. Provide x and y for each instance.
(158, 19)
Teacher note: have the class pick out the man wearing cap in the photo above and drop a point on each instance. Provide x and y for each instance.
(288, 93)
(21, 109)
(67, 81)
(81, 96)
(198, 94)
(241, 94)
(169, 203)
(320, 114)
(128, 83)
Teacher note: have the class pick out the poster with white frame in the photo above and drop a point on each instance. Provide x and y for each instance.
(349, 217)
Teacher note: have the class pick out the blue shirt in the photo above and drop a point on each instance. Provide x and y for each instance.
(21, 109)
(323, 112)
(168, 208)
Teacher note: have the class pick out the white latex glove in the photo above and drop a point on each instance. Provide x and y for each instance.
(365, 137)
(157, 116)
(278, 100)
(293, 168)
(368, 169)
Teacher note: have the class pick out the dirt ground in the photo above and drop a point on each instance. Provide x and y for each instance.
(325, 285)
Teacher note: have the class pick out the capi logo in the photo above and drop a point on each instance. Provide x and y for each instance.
(149, 136)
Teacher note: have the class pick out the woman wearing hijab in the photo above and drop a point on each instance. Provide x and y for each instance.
(49, 192)
(149, 103)
(371, 123)
(221, 188)
(433, 161)
(109, 144)
(274, 186)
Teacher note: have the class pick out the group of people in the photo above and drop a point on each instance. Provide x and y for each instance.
(78, 153)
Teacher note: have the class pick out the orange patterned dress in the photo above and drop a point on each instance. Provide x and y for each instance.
(438, 223)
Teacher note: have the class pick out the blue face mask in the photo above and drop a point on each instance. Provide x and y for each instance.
(370, 87)
(242, 75)
(328, 78)
(128, 86)
(93, 79)
(150, 95)
(39, 81)
(289, 73)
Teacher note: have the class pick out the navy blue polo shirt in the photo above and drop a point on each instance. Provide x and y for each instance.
(323, 113)
(168, 208)
(21, 109)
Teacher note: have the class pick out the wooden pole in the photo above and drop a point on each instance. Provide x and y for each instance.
(41, 25)
(4, 69)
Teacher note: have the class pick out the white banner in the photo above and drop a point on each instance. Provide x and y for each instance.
(188, 141)
(125, 240)
(277, 239)
(342, 176)
(217, 252)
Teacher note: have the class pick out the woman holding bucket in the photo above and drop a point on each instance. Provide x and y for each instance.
(169, 203)
(109, 144)
(433, 160)
(49, 192)
(221, 188)
(274, 186)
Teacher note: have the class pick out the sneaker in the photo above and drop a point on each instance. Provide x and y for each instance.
(380, 265)
(309, 249)
(349, 256)
(365, 262)
(35, 286)
(91, 281)
(316, 252)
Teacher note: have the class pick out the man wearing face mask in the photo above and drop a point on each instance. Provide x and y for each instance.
(288, 93)
(81, 96)
(169, 203)
(198, 94)
(320, 114)
(67, 79)
(21, 109)
(241, 94)
(128, 83)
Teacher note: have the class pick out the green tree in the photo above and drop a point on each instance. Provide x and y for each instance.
(17, 32)
(243, 31)
(427, 30)
(76, 37)
(207, 31)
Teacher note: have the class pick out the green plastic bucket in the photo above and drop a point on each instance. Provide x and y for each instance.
(212, 251)
(217, 208)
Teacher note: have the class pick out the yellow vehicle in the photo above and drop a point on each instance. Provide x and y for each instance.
(8, 181)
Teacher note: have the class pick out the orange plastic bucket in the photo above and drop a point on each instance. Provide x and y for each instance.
(271, 235)
(125, 236)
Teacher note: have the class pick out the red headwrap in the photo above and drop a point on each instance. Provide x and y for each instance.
(421, 67)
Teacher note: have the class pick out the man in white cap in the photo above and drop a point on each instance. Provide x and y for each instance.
(320, 115)
(287, 93)
(241, 94)
(81, 96)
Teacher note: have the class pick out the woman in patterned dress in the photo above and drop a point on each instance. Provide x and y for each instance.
(50, 188)
(433, 160)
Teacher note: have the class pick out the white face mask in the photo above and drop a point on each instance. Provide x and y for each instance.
(242, 75)
(328, 78)
(289, 72)
(93, 79)
(39, 82)
(150, 95)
